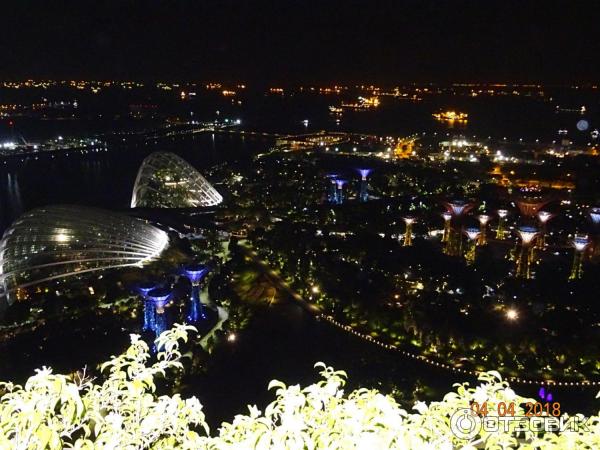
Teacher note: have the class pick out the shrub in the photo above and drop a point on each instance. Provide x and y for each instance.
(124, 412)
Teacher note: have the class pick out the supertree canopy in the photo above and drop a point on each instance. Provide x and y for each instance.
(458, 207)
(195, 272)
(364, 173)
(530, 202)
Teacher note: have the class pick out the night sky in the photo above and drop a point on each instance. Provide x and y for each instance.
(303, 41)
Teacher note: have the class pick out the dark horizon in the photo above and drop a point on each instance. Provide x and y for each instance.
(298, 42)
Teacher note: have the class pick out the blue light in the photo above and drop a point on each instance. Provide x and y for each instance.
(195, 273)
(149, 316)
(196, 309)
(144, 288)
(332, 196)
(364, 184)
(155, 317)
(528, 229)
(340, 191)
(159, 295)
(364, 173)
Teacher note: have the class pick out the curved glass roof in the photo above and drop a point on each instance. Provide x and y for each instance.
(56, 242)
(167, 181)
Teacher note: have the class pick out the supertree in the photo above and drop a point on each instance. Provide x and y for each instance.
(543, 217)
(483, 221)
(148, 306)
(332, 192)
(156, 300)
(580, 243)
(502, 213)
(457, 208)
(364, 184)
(340, 190)
(524, 260)
(195, 273)
(530, 203)
(473, 234)
(408, 232)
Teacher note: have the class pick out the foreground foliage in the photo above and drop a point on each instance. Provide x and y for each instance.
(123, 412)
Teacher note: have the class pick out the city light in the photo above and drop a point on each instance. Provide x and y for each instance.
(512, 314)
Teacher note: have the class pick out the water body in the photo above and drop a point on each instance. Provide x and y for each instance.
(105, 179)
(282, 343)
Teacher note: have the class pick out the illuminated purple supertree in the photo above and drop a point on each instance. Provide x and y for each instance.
(332, 195)
(527, 235)
(502, 214)
(580, 243)
(473, 234)
(364, 194)
(340, 190)
(195, 273)
(543, 217)
(457, 208)
(158, 299)
(148, 309)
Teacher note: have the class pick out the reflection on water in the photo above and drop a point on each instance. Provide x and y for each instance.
(105, 179)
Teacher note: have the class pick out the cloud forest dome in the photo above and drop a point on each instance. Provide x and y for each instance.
(55, 242)
(167, 181)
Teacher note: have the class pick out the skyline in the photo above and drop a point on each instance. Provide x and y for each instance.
(268, 42)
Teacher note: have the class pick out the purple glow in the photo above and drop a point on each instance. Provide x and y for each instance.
(159, 295)
(457, 207)
(144, 288)
(340, 183)
(364, 173)
(195, 273)
(547, 396)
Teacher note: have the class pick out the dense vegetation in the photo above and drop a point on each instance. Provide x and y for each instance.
(122, 410)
